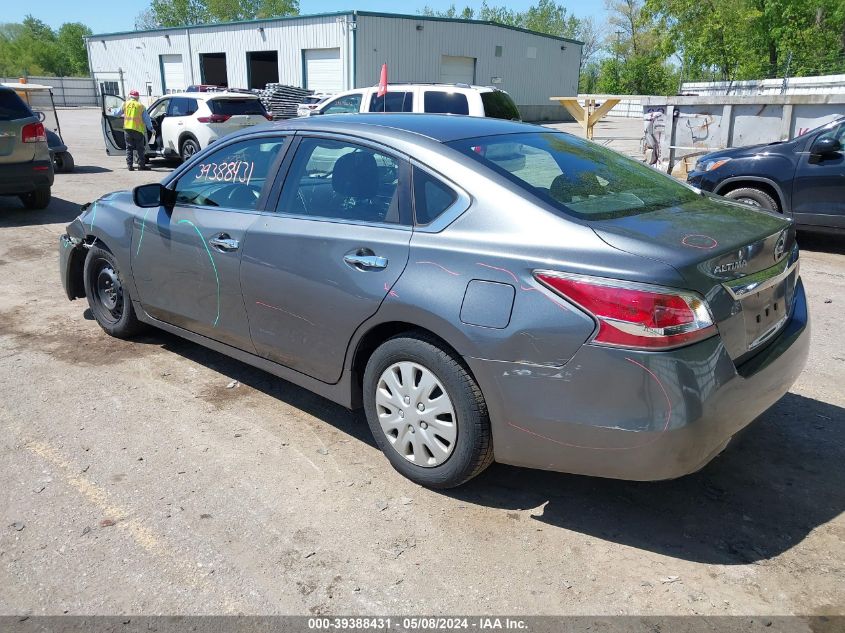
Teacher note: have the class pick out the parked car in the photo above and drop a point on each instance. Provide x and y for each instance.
(573, 311)
(26, 169)
(481, 101)
(39, 99)
(185, 123)
(803, 178)
(311, 102)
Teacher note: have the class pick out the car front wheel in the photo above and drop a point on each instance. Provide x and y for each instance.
(107, 296)
(754, 197)
(426, 412)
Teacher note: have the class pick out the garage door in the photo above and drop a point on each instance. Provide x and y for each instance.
(323, 71)
(172, 73)
(457, 70)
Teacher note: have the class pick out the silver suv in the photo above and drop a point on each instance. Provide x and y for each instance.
(26, 170)
(482, 101)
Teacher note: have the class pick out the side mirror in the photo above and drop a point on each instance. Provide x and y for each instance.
(153, 195)
(825, 146)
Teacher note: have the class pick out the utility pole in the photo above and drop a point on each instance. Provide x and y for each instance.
(786, 73)
(616, 65)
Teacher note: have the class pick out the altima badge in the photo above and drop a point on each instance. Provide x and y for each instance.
(727, 267)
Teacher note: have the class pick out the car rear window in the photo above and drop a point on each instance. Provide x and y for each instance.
(12, 107)
(499, 105)
(236, 106)
(576, 176)
(441, 102)
(182, 106)
(392, 102)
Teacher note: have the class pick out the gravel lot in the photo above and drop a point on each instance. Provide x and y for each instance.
(134, 479)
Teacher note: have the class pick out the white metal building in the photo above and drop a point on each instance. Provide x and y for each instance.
(331, 52)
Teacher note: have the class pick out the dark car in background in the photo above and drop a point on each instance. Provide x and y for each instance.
(26, 168)
(803, 178)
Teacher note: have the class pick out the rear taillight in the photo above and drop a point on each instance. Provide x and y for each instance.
(635, 315)
(33, 133)
(214, 118)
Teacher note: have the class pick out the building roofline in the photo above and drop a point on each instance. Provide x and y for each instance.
(404, 16)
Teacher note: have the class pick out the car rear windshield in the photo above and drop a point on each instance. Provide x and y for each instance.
(236, 106)
(576, 176)
(499, 105)
(12, 107)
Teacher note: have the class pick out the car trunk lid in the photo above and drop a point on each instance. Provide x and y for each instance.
(742, 260)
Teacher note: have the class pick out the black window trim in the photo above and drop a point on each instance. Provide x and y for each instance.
(404, 186)
(462, 202)
(274, 168)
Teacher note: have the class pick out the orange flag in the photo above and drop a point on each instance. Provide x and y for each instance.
(382, 82)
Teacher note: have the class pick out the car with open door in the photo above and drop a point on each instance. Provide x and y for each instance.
(184, 123)
(803, 178)
(552, 304)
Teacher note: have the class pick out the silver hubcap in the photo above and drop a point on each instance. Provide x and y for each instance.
(416, 414)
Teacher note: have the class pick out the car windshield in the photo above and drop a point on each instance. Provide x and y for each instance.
(12, 107)
(236, 106)
(576, 176)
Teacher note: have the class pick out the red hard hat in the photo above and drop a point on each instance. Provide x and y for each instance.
(134, 93)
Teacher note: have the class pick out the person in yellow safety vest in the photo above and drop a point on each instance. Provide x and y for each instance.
(136, 122)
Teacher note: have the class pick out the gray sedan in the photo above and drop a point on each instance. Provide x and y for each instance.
(486, 290)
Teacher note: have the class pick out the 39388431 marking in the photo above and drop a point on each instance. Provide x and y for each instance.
(235, 171)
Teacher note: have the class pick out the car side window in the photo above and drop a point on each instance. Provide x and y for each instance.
(444, 102)
(431, 197)
(231, 177)
(159, 109)
(182, 106)
(344, 105)
(343, 181)
(392, 102)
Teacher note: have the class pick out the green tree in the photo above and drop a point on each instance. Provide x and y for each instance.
(71, 43)
(186, 12)
(33, 48)
(232, 10)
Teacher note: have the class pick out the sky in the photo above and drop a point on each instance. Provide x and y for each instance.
(105, 17)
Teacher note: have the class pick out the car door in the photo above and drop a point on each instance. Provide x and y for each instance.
(322, 264)
(112, 125)
(186, 260)
(157, 112)
(818, 190)
(175, 122)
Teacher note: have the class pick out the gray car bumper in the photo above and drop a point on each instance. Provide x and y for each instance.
(636, 415)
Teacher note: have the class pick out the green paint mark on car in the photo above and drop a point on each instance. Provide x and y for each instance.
(213, 265)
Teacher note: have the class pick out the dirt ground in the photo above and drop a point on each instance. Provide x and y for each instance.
(134, 479)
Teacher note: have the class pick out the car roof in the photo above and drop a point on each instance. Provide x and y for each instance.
(439, 127)
(204, 96)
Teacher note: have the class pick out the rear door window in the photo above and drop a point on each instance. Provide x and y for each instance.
(431, 197)
(12, 107)
(342, 181)
(233, 107)
(442, 102)
(182, 106)
(392, 102)
(499, 105)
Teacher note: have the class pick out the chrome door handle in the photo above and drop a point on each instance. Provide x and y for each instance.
(224, 243)
(365, 261)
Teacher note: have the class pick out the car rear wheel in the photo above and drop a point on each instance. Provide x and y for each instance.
(107, 296)
(38, 199)
(754, 197)
(426, 412)
(64, 162)
(188, 149)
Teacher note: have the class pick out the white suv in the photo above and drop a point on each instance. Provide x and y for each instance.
(185, 123)
(484, 101)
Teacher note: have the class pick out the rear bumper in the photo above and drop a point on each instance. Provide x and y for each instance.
(18, 178)
(634, 415)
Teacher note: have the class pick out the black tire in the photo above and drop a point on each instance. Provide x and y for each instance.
(188, 148)
(473, 448)
(107, 296)
(38, 199)
(64, 162)
(754, 197)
